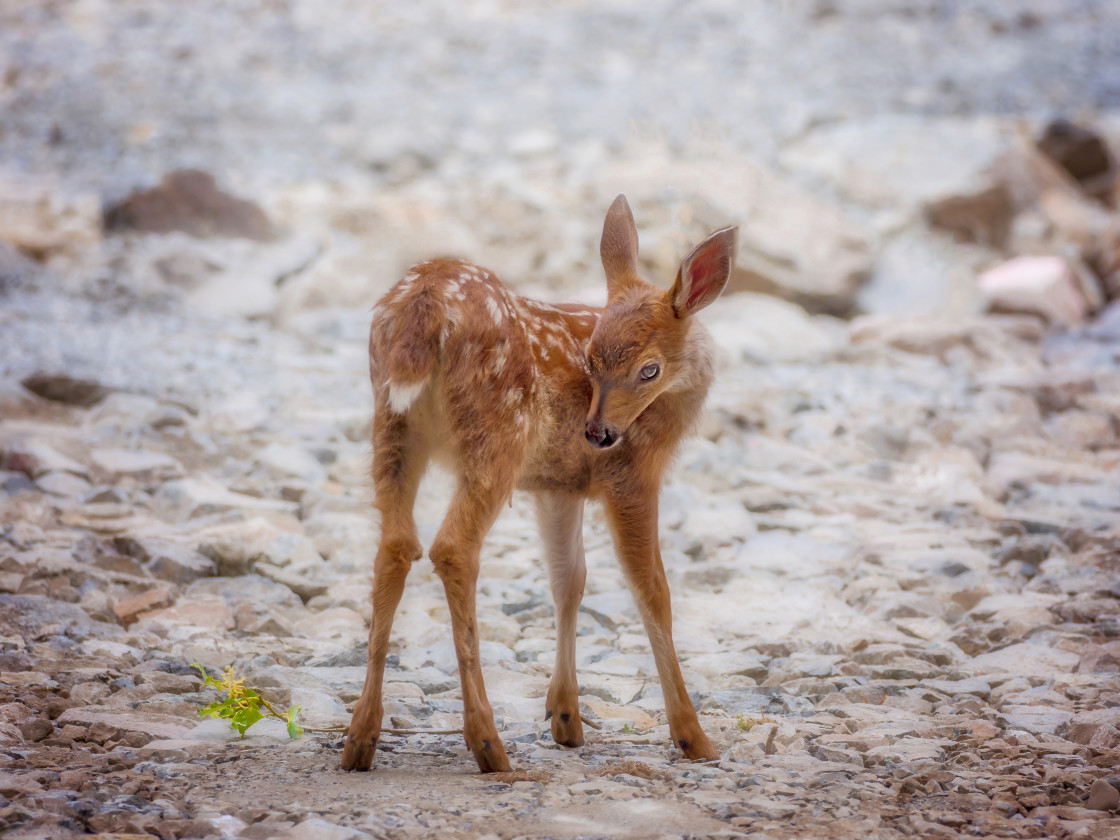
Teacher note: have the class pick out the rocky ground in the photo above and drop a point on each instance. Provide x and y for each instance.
(893, 545)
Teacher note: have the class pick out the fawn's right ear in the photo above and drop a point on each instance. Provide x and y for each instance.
(704, 272)
(619, 247)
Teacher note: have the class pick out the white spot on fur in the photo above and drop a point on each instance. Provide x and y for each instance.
(495, 310)
(499, 361)
(402, 396)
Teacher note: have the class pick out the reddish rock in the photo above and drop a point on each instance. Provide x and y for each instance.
(129, 609)
(213, 614)
(1085, 726)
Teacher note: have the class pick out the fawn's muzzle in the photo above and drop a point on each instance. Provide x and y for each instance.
(602, 437)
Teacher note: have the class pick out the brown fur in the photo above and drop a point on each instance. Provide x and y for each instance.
(513, 393)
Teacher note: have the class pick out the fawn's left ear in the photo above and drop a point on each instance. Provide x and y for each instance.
(704, 273)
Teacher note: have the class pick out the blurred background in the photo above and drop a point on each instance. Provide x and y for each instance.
(892, 545)
(878, 154)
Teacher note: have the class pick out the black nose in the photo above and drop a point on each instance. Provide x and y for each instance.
(601, 436)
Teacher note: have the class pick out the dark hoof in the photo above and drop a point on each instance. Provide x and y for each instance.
(697, 748)
(357, 753)
(491, 756)
(567, 728)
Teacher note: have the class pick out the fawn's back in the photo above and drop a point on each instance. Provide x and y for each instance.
(475, 365)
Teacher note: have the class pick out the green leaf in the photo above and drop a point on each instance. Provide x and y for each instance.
(242, 719)
(213, 710)
(294, 729)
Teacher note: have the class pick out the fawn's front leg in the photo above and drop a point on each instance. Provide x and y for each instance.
(633, 521)
(560, 517)
(455, 554)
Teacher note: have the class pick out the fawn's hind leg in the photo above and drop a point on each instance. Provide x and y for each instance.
(560, 517)
(455, 554)
(400, 454)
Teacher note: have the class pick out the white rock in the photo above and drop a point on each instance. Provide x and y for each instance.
(1026, 659)
(291, 461)
(314, 828)
(140, 465)
(1042, 286)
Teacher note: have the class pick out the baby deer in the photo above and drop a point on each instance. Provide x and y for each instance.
(568, 402)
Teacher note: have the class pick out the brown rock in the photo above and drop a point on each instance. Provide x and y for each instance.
(153, 725)
(72, 779)
(17, 784)
(1082, 153)
(983, 216)
(129, 609)
(1103, 797)
(189, 200)
(1084, 726)
(36, 730)
(58, 387)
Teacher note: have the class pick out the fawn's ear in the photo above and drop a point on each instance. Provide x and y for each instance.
(619, 247)
(704, 273)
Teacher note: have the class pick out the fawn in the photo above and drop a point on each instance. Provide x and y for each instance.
(566, 401)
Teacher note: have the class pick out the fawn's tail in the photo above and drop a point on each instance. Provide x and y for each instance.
(404, 347)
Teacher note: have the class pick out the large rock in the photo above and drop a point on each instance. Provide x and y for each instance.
(192, 497)
(1085, 727)
(1025, 659)
(189, 200)
(793, 243)
(925, 272)
(167, 560)
(913, 163)
(146, 467)
(237, 547)
(149, 725)
(60, 387)
(1083, 153)
(758, 328)
(1043, 286)
(33, 616)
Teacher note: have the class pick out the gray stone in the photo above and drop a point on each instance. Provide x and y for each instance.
(117, 464)
(167, 560)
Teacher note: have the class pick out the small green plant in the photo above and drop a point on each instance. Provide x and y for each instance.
(746, 723)
(243, 706)
(628, 729)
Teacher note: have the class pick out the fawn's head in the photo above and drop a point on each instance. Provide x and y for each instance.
(638, 349)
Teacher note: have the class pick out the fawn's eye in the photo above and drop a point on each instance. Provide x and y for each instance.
(649, 372)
